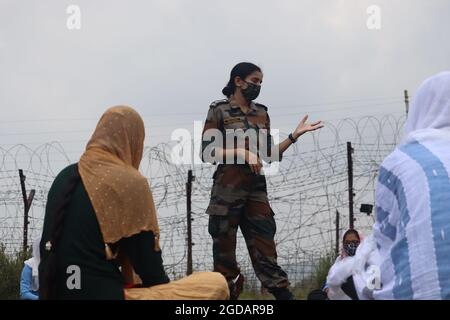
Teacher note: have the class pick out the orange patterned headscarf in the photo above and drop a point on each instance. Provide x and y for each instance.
(109, 169)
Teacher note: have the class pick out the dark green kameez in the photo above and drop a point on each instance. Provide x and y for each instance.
(81, 244)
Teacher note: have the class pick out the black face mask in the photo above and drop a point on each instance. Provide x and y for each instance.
(350, 248)
(251, 92)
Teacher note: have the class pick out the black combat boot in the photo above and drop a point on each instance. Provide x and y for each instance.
(282, 294)
(235, 286)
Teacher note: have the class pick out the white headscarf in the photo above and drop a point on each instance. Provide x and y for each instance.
(430, 110)
(33, 263)
(409, 217)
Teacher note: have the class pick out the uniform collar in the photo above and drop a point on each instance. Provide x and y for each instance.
(233, 105)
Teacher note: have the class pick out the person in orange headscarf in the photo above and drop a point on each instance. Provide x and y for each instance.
(101, 230)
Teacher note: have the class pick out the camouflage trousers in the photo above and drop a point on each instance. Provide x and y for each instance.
(257, 224)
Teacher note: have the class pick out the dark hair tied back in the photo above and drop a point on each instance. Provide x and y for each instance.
(241, 70)
(351, 231)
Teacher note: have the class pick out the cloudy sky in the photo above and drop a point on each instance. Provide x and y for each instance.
(170, 58)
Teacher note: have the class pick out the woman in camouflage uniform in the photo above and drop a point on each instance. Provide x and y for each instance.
(237, 136)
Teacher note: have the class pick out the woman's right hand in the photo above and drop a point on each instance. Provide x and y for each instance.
(252, 160)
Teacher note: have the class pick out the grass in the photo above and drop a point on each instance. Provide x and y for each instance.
(300, 293)
(300, 290)
(10, 270)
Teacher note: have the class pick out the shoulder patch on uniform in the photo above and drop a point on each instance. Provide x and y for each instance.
(218, 103)
(261, 105)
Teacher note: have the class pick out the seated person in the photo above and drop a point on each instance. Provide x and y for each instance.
(100, 213)
(339, 287)
(412, 228)
(29, 280)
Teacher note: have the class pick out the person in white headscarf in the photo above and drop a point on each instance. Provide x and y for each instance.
(412, 201)
(339, 284)
(411, 235)
(407, 255)
(29, 281)
(430, 111)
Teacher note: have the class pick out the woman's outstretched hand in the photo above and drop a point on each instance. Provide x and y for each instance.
(304, 127)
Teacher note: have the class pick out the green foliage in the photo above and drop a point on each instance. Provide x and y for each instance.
(321, 270)
(300, 290)
(10, 270)
(318, 277)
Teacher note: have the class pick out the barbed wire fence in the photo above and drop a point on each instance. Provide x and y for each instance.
(312, 183)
